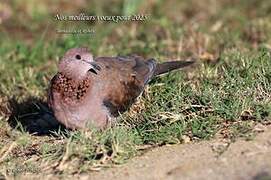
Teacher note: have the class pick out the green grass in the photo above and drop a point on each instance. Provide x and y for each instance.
(226, 94)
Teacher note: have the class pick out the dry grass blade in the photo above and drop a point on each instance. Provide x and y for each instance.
(6, 150)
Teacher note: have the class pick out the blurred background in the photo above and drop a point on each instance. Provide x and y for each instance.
(176, 28)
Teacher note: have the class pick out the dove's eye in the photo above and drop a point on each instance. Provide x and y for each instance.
(78, 57)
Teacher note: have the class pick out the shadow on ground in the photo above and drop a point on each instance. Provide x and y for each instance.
(34, 116)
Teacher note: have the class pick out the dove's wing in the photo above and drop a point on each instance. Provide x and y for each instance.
(123, 80)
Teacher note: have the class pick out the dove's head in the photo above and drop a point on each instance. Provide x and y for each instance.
(77, 63)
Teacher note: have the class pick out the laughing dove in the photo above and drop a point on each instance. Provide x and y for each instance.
(94, 91)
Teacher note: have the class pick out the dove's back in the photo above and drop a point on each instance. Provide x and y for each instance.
(124, 79)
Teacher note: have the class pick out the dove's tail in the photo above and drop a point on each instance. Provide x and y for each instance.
(171, 65)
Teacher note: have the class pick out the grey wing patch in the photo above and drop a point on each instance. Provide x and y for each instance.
(145, 69)
(152, 66)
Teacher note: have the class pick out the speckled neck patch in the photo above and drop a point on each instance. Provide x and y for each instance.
(69, 89)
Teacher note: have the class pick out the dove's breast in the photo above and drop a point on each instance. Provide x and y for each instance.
(70, 91)
(75, 104)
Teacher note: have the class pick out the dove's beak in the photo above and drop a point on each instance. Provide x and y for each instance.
(94, 67)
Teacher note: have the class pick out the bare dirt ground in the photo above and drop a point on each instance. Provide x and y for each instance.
(216, 159)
